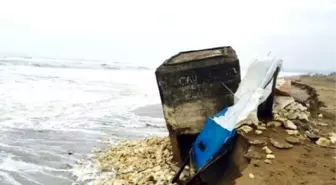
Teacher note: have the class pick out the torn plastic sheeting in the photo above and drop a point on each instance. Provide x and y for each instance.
(253, 90)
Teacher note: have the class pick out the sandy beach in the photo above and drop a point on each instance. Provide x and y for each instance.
(308, 163)
(304, 163)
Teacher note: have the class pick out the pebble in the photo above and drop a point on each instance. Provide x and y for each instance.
(274, 124)
(280, 145)
(303, 125)
(293, 115)
(332, 137)
(293, 140)
(303, 116)
(322, 124)
(261, 128)
(270, 156)
(311, 135)
(289, 125)
(251, 176)
(322, 141)
(292, 132)
(258, 132)
(276, 116)
(259, 142)
(120, 182)
(320, 115)
(267, 161)
(245, 128)
(267, 150)
(282, 102)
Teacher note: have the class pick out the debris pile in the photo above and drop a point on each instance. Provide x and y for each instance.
(147, 161)
(292, 116)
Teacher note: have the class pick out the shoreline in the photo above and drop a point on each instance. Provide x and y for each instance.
(114, 149)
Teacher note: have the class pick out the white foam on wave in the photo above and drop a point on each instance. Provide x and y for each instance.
(54, 100)
(20, 149)
(62, 63)
(8, 178)
(88, 173)
(24, 169)
(8, 163)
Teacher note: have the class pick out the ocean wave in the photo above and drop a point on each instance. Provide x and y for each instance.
(53, 63)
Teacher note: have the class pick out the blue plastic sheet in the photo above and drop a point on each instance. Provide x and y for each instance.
(210, 141)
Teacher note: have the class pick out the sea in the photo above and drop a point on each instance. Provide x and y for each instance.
(53, 112)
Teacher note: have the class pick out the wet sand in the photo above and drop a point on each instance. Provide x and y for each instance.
(154, 111)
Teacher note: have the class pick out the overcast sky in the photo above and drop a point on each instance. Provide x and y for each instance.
(301, 32)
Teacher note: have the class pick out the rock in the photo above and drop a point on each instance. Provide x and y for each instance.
(292, 132)
(120, 182)
(270, 156)
(293, 115)
(283, 87)
(280, 145)
(322, 124)
(322, 141)
(283, 114)
(303, 125)
(267, 150)
(251, 176)
(314, 130)
(258, 132)
(267, 161)
(293, 140)
(261, 127)
(259, 142)
(332, 137)
(276, 116)
(289, 125)
(274, 124)
(307, 105)
(320, 115)
(282, 101)
(302, 138)
(311, 135)
(303, 116)
(245, 128)
(300, 107)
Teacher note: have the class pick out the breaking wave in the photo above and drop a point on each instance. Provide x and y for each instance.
(55, 63)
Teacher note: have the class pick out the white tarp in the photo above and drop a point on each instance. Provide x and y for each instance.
(250, 93)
